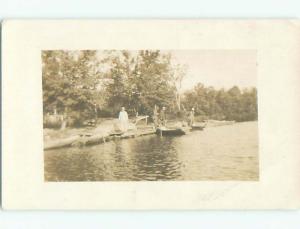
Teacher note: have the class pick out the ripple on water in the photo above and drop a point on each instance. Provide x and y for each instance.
(219, 153)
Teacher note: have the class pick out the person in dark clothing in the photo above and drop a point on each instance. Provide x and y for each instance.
(156, 116)
(162, 116)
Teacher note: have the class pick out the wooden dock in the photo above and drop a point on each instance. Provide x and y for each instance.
(93, 138)
(87, 139)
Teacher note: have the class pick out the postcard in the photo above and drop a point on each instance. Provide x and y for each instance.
(150, 114)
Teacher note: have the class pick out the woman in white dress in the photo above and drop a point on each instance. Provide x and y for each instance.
(123, 118)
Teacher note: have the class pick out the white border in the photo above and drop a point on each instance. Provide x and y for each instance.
(277, 45)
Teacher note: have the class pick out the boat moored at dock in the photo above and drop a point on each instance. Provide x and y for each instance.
(172, 131)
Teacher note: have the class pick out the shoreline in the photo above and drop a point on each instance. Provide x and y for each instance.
(104, 132)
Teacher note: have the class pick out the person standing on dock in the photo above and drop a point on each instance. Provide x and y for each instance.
(155, 116)
(123, 118)
(192, 117)
(163, 116)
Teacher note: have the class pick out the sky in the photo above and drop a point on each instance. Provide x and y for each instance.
(218, 68)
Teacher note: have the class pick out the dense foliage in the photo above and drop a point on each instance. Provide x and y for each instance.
(86, 84)
(232, 104)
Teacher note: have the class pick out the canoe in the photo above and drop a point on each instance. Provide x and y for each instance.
(165, 131)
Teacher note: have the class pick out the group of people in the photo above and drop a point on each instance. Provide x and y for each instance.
(159, 117)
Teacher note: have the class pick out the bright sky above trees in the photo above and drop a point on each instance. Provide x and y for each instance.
(218, 68)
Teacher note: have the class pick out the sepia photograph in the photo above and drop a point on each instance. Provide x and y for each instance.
(155, 111)
(150, 115)
(184, 115)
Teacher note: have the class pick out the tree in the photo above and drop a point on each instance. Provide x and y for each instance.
(178, 72)
(153, 80)
(139, 81)
(70, 79)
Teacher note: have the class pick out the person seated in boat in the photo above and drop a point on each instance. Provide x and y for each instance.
(192, 117)
(155, 116)
(123, 119)
(162, 116)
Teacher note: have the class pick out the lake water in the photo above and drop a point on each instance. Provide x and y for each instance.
(216, 153)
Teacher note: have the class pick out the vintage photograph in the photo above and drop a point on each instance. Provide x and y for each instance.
(150, 115)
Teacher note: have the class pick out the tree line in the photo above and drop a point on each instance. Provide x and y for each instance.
(233, 104)
(88, 84)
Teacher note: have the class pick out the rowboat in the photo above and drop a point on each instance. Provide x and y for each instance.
(165, 131)
(194, 127)
(198, 126)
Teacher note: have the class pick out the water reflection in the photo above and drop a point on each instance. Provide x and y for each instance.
(223, 153)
